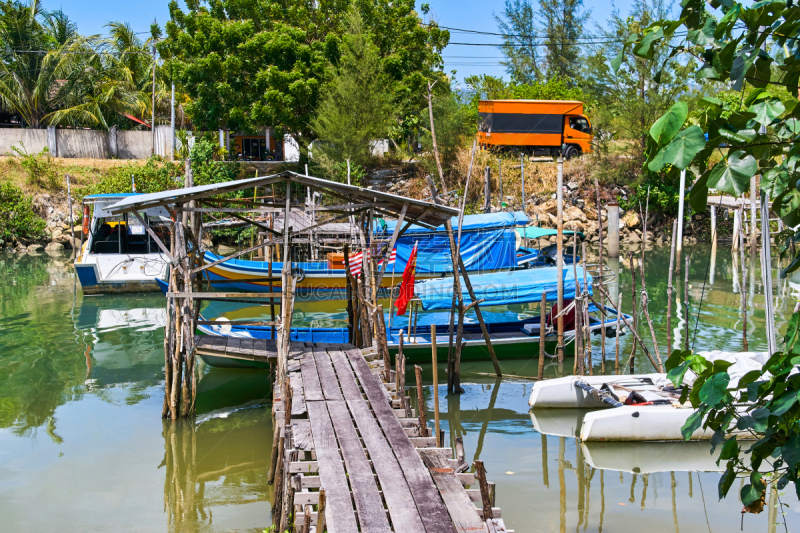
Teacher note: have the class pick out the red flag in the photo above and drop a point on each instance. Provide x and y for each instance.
(407, 286)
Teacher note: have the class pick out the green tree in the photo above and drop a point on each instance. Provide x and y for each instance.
(521, 41)
(563, 22)
(249, 64)
(454, 124)
(633, 94)
(355, 109)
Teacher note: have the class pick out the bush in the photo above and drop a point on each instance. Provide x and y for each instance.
(17, 218)
(205, 168)
(154, 176)
(38, 167)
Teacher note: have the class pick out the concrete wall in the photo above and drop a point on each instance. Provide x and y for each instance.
(34, 141)
(88, 144)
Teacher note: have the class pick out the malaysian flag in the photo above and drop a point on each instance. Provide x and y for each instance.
(356, 261)
(392, 258)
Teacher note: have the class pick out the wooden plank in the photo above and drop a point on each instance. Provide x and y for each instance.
(462, 511)
(246, 346)
(233, 345)
(260, 348)
(429, 503)
(339, 508)
(327, 377)
(399, 500)
(301, 434)
(298, 398)
(216, 295)
(369, 506)
(311, 383)
(303, 467)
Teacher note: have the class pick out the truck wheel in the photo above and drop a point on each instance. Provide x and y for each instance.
(571, 152)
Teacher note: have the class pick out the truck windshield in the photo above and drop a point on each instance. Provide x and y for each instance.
(580, 124)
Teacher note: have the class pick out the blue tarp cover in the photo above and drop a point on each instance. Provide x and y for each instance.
(470, 223)
(488, 242)
(502, 288)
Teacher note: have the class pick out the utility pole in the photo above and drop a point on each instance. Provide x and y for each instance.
(153, 115)
(172, 124)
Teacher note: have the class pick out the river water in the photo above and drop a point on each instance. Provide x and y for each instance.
(83, 447)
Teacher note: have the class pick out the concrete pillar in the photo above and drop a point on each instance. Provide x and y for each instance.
(113, 146)
(613, 229)
(221, 139)
(52, 143)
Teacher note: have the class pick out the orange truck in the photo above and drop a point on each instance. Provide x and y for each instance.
(539, 127)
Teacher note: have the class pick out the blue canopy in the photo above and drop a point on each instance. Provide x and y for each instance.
(503, 288)
(488, 221)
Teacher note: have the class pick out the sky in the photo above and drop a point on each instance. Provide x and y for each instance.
(475, 15)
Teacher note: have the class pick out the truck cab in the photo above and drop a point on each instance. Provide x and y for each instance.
(538, 127)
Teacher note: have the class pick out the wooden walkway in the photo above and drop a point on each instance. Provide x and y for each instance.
(353, 436)
(258, 350)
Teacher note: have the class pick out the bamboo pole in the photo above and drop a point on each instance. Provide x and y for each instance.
(577, 364)
(542, 329)
(635, 320)
(587, 338)
(600, 261)
(645, 302)
(434, 362)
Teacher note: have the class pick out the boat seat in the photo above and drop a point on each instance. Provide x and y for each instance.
(532, 329)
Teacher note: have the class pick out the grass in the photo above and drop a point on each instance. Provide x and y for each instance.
(82, 172)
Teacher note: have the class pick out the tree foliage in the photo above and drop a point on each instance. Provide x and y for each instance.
(247, 64)
(563, 26)
(52, 75)
(753, 50)
(355, 109)
(521, 42)
(17, 218)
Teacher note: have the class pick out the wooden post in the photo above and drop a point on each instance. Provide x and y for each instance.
(321, 512)
(670, 289)
(349, 294)
(645, 302)
(600, 260)
(681, 196)
(577, 365)
(587, 337)
(381, 335)
(435, 385)
(423, 423)
(480, 474)
(522, 176)
(542, 329)
(560, 258)
(753, 216)
(686, 303)
(613, 229)
(500, 182)
(743, 286)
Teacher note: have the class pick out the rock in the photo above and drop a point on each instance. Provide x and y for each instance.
(572, 185)
(631, 220)
(21, 249)
(54, 247)
(573, 213)
(224, 249)
(55, 234)
(33, 248)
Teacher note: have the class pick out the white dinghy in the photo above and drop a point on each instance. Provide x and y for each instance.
(643, 407)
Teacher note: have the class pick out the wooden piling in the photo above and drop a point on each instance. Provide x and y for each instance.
(635, 320)
(743, 286)
(613, 229)
(600, 281)
(587, 336)
(434, 361)
(619, 326)
(423, 423)
(645, 302)
(542, 334)
(487, 190)
(480, 475)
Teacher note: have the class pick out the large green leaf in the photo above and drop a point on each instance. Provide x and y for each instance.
(715, 389)
(726, 480)
(775, 182)
(698, 196)
(668, 125)
(791, 451)
(784, 402)
(767, 110)
(692, 424)
(683, 148)
(733, 174)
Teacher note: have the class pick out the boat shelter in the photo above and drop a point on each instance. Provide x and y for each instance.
(187, 207)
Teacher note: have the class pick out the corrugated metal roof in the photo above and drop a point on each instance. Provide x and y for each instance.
(418, 210)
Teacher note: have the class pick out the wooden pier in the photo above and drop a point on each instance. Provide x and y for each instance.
(354, 447)
(241, 349)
